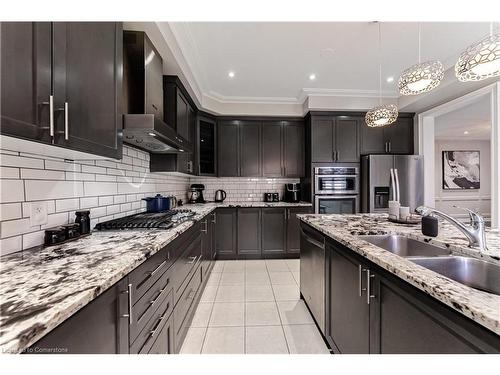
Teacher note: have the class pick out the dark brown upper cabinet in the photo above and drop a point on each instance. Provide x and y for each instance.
(228, 150)
(62, 84)
(334, 138)
(26, 65)
(396, 138)
(250, 151)
(207, 146)
(255, 148)
(272, 149)
(293, 142)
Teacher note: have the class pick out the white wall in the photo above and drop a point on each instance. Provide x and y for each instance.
(477, 200)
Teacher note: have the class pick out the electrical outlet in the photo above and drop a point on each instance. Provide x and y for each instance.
(38, 213)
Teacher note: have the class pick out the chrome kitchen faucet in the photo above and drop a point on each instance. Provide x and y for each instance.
(475, 233)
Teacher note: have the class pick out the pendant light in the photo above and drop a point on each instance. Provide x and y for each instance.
(480, 60)
(421, 77)
(383, 114)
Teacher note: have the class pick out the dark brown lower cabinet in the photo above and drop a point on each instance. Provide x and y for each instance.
(370, 310)
(164, 343)
(98, 328)
(225, 242)
(273, 231)
(348, 316)
(293, 229)
(249, 231)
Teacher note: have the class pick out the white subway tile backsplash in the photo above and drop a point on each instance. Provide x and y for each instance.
(62, 166)
(16, 227)
(104, 178)
(105, 201)
(76, 176)
(125, 207)
(11, 191)
(10, 245)
(110, 210)
(97, 212)
(89, 202)
(99, 188)
(67, 204)
(41, 190)
(105, 163)
(131, 197)
(119, 199)
(33, 239)
(56, 219)
(93, 169)
(41, 174)
(10, 211)
(20, 162)
(9, 172)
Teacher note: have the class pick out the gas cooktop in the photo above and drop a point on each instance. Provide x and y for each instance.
(148, 220)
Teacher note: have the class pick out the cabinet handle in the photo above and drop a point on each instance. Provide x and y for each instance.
(360, 279)
(157, 268)
(51, 115)
(333, 155)
(368, 287)
(390, 146)
(205, 229)
(153, 301)
(66, 121)
(192, 260)
(214, 216)
(153, 331)
(129, 315)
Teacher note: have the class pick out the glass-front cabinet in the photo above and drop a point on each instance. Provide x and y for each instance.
(207, 146)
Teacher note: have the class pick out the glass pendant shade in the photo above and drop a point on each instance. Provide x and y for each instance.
(420, 78)
(382, 115)
(480, 60)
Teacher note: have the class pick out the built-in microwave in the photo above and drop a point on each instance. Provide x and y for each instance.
(336, 180)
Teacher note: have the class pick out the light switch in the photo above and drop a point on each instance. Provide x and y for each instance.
(38, 213)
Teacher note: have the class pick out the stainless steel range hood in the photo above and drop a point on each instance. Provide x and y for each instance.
(150, 134)
(143, 124)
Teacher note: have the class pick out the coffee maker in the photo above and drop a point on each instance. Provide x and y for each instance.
(196, 193)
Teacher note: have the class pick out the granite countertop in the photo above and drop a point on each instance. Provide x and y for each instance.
(481, 307)
(42, 287)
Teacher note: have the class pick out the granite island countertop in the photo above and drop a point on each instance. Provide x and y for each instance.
(481, 307)
(42, 287)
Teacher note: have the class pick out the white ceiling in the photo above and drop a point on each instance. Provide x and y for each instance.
(272, 61)
(473, 118)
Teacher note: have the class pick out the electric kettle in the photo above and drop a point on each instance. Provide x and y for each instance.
(220, 195)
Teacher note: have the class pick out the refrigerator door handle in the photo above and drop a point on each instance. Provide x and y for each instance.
(393, 185)
(397, 184)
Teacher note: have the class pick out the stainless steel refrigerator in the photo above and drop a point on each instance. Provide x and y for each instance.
(385, 177)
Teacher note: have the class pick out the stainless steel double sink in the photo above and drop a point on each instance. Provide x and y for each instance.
(472, 272)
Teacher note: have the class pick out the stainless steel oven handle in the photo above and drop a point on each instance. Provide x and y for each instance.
(51, 115)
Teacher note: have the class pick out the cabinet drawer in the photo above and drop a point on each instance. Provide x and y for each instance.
(152, 328)
(164, 343)
(185, 307)
(185, 265)
(144, 276)
(149, 303)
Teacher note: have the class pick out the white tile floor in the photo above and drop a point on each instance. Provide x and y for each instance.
(253, 307)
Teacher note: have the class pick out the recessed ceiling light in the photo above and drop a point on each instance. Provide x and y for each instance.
(230, 74)
(390, 79)
(466, 132)
(312, 77)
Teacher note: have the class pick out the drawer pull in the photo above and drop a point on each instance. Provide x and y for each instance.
(129, 315)
(153, 331)
(157, 268)
(192, 260)
(153, 301)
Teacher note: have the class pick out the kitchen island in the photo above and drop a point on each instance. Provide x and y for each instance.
(341, 234)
